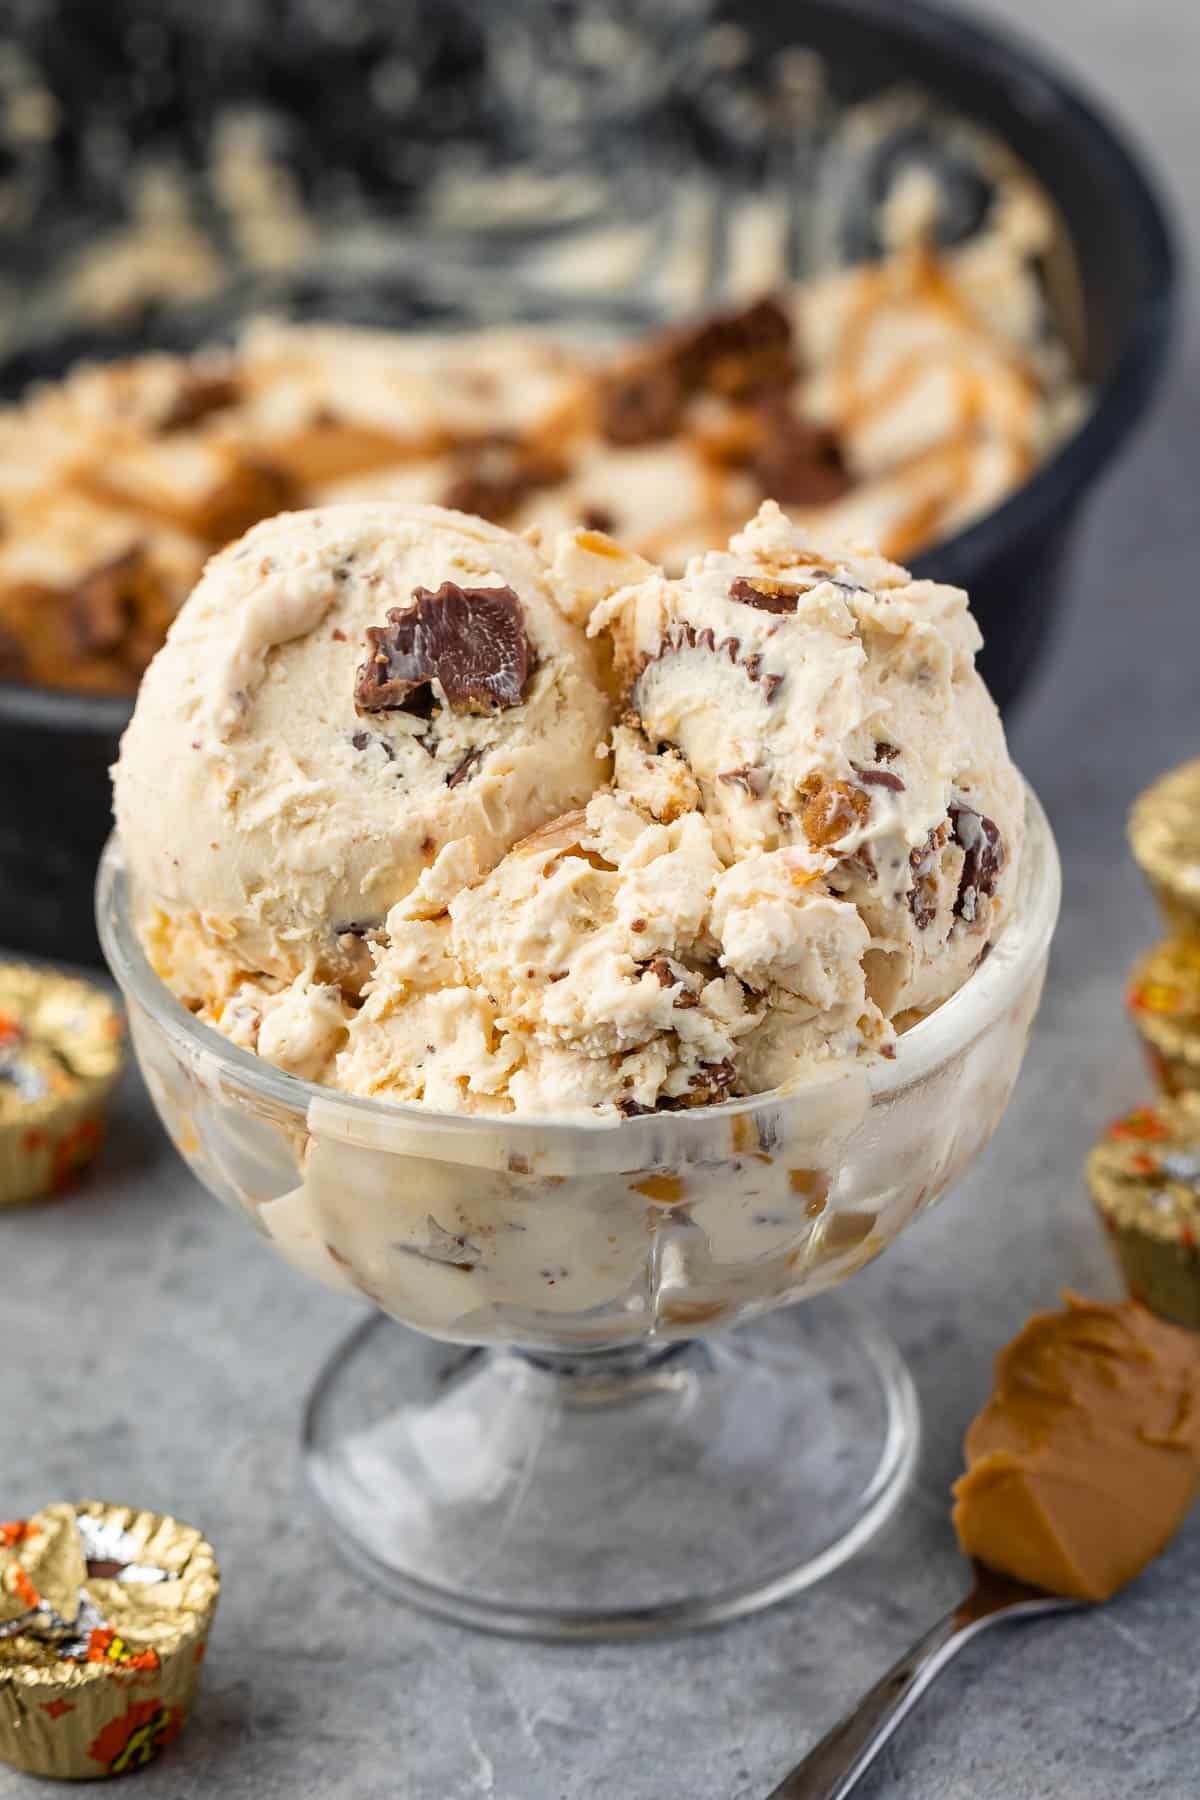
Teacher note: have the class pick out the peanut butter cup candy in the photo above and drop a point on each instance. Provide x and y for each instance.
(1144, 1176)
(1164, 1004)
(104, 1619)
(1164, 835)
(60, 1054)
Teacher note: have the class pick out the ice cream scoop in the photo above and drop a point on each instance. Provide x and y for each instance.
(824, 700)
(369, 810)
(346, 692)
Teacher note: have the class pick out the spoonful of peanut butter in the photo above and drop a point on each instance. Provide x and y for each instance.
(1087, 1456)
(1080, 1468)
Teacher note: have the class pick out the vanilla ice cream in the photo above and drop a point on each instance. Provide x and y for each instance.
(346, 692)
(399, 827)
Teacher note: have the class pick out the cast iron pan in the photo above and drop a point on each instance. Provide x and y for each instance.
(55, 749)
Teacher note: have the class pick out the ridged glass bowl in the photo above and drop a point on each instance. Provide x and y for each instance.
(563, 1436)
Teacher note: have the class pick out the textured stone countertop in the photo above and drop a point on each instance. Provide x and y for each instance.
(150, 1349)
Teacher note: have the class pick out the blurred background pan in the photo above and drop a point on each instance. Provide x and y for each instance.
(407, 164)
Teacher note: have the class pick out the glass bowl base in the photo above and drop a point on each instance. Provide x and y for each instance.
(613, 1494)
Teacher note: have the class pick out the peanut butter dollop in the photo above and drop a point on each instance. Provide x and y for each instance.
(1087, 1456)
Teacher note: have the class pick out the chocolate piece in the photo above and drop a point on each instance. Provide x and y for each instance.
(197, 397)
(493, 476)
(598, 518)
(683, 635)
(358, 928)
(666, 976)
(767, 595)
(736, 354)
(14, 662)
(452, 1249)
(641, 404)
(633, 1109)
(470, 641)
(104, 1568)
(712, 1081)
(254, 490)
(879, 778)
(885, 752)
(362, 740)
(99, 610)
(983, 858)
(922, 895)
(465, 768)
(120, 609)
(798, 463)
(754, 780)
(832, 809)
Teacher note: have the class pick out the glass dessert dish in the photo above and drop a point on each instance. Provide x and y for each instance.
(562, 1437)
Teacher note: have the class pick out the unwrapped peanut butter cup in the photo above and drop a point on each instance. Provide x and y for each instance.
(1144, 1177)
(1164, 835)
(104, 1618)
(60, 1054)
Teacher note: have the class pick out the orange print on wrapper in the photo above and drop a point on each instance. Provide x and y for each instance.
(137, 1737)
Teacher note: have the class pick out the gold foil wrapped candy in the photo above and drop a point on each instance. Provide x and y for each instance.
(60, 1054)
(1164, 1003)
(104, 1618)
(1144, 1177)
(1164, 835)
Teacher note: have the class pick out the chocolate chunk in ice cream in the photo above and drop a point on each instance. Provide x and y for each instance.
(465, 769)
(883, 778)
(495, 475)
(983, 857)
(798, 463)
(641, 404)
(738, 355)
(922, 895)
(470, 641)
(197, 397)
(764, 593)
(14, 660)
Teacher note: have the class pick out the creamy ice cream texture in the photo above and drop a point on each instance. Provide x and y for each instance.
(273, 808)
(369, 806)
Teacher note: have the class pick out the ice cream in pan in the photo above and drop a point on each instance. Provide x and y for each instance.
(435, 813)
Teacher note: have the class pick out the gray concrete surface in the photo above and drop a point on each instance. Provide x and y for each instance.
(149, 1348)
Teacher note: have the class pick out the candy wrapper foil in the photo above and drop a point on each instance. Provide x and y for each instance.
(104, 1618)
(1164, 835)
(1144, 1176)
(1164, 1003)
(60, 1053)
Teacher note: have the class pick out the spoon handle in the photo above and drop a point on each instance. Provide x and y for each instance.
(830, 1770)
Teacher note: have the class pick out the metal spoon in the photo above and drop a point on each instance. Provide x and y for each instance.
(833, 1768)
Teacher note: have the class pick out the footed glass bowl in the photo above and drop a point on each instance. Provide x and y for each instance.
(562, 1436)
